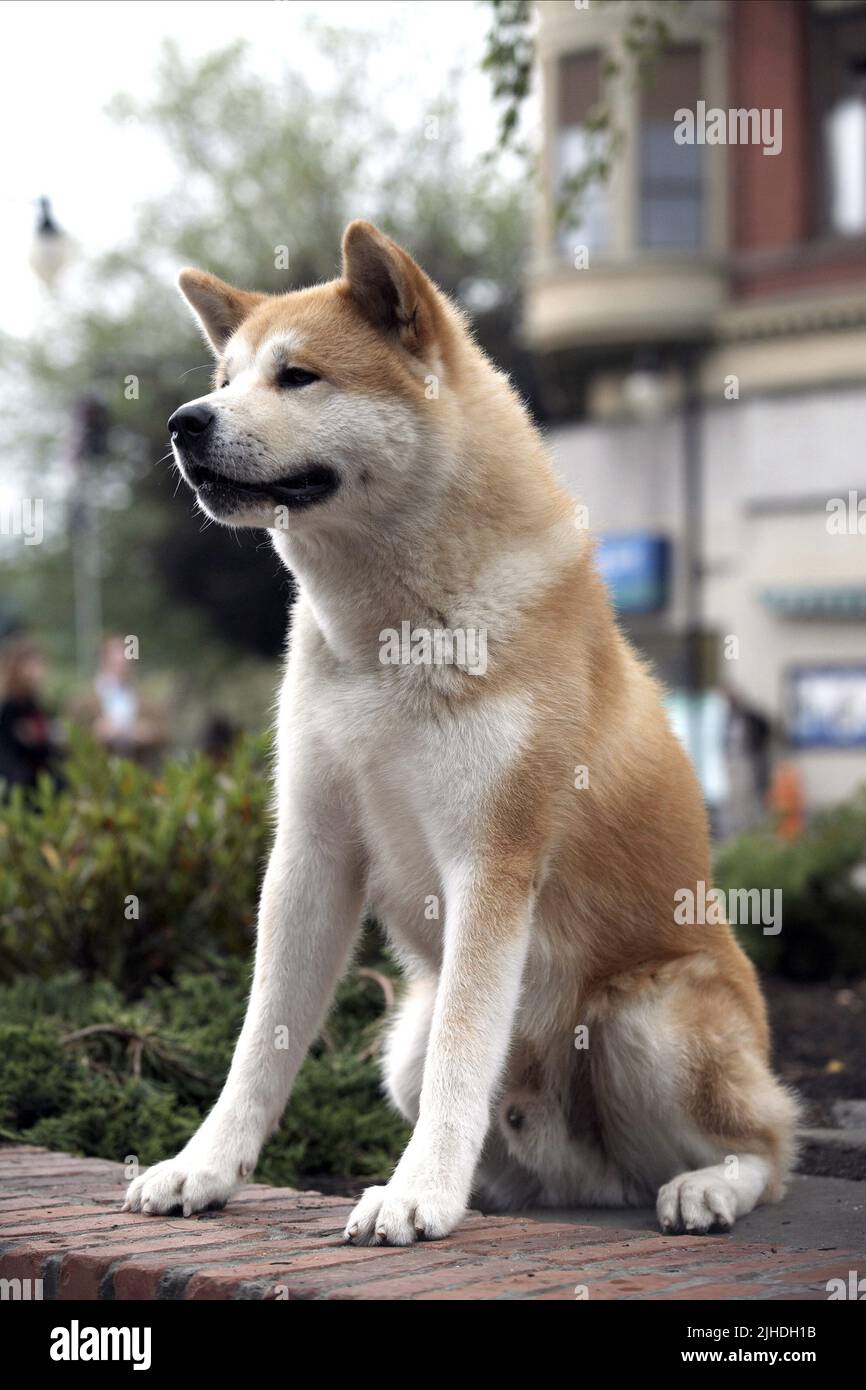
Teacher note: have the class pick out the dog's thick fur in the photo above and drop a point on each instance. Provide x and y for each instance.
(530, 911)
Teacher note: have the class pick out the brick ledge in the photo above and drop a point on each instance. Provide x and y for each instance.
(60, 1221)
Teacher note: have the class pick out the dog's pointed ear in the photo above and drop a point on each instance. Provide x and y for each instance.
(391, 291)
(219, 308)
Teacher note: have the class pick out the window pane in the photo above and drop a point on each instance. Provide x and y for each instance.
(576, 147)
(589, 226)
(671, 220)
(837, 52)
(579, 87)
(662, 157)
(845, 133)
(671, 185)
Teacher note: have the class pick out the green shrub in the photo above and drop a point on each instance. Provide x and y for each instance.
(127, 875)
(83, 1070)
(117, 1031)
(823, 910)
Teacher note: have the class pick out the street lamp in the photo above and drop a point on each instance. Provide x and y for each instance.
(50, 254)
(51, 250)
(89, 448)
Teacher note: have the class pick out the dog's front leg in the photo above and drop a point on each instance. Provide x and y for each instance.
(486, 934)
(309, 914)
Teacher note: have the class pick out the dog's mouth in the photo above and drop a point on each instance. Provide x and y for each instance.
(303, 488)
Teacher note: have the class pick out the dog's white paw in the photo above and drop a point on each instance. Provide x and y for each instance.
(396, 1215)
(185, 1184)
(698, 1202)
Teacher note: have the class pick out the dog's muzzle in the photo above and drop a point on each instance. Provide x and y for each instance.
(192, 430)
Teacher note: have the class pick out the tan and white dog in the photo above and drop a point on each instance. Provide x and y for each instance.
(407, 490)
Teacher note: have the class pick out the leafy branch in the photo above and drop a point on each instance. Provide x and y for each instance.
(509, 58)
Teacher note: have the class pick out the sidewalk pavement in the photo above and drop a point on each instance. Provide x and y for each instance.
(60, 1222)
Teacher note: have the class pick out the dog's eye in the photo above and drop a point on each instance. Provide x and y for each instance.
(292, 377)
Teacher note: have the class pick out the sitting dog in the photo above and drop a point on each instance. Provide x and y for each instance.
(469, 748)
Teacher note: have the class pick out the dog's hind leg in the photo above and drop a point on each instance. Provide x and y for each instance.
(406, 1047)
(711, 1199)
(749, 1119)
(689, 1102)
(500, 1183)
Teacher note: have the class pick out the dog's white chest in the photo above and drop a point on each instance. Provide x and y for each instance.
(425, 781)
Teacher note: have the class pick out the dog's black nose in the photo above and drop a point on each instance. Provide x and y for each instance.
(191, 421)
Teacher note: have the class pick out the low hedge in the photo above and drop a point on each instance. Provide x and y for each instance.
(85, 1071)
(126, 875)
(130, 876)
(117, 1029)
(822, 879)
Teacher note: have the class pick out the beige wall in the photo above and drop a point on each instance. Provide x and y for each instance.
(770, 464)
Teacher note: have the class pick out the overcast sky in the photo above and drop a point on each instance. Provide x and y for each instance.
(62, 60)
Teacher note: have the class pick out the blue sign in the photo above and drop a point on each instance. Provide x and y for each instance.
(635, 569)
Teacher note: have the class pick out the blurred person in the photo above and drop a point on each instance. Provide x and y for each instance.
(748, 742)
(220, 734)
(787, 801)
(115, 711)
(27, 746)
(698, 720)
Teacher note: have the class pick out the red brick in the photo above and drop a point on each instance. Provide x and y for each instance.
(82, 1271)
(719, 1291)
(140, 1281)
(67, 1210)
(819, 1273)
(512, 1286)
(75, 1222)
(302, 1267)
(24, 1262)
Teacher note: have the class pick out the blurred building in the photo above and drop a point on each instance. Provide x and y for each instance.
(700, 337)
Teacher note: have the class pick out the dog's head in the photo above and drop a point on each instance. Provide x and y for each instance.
(321, 404)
